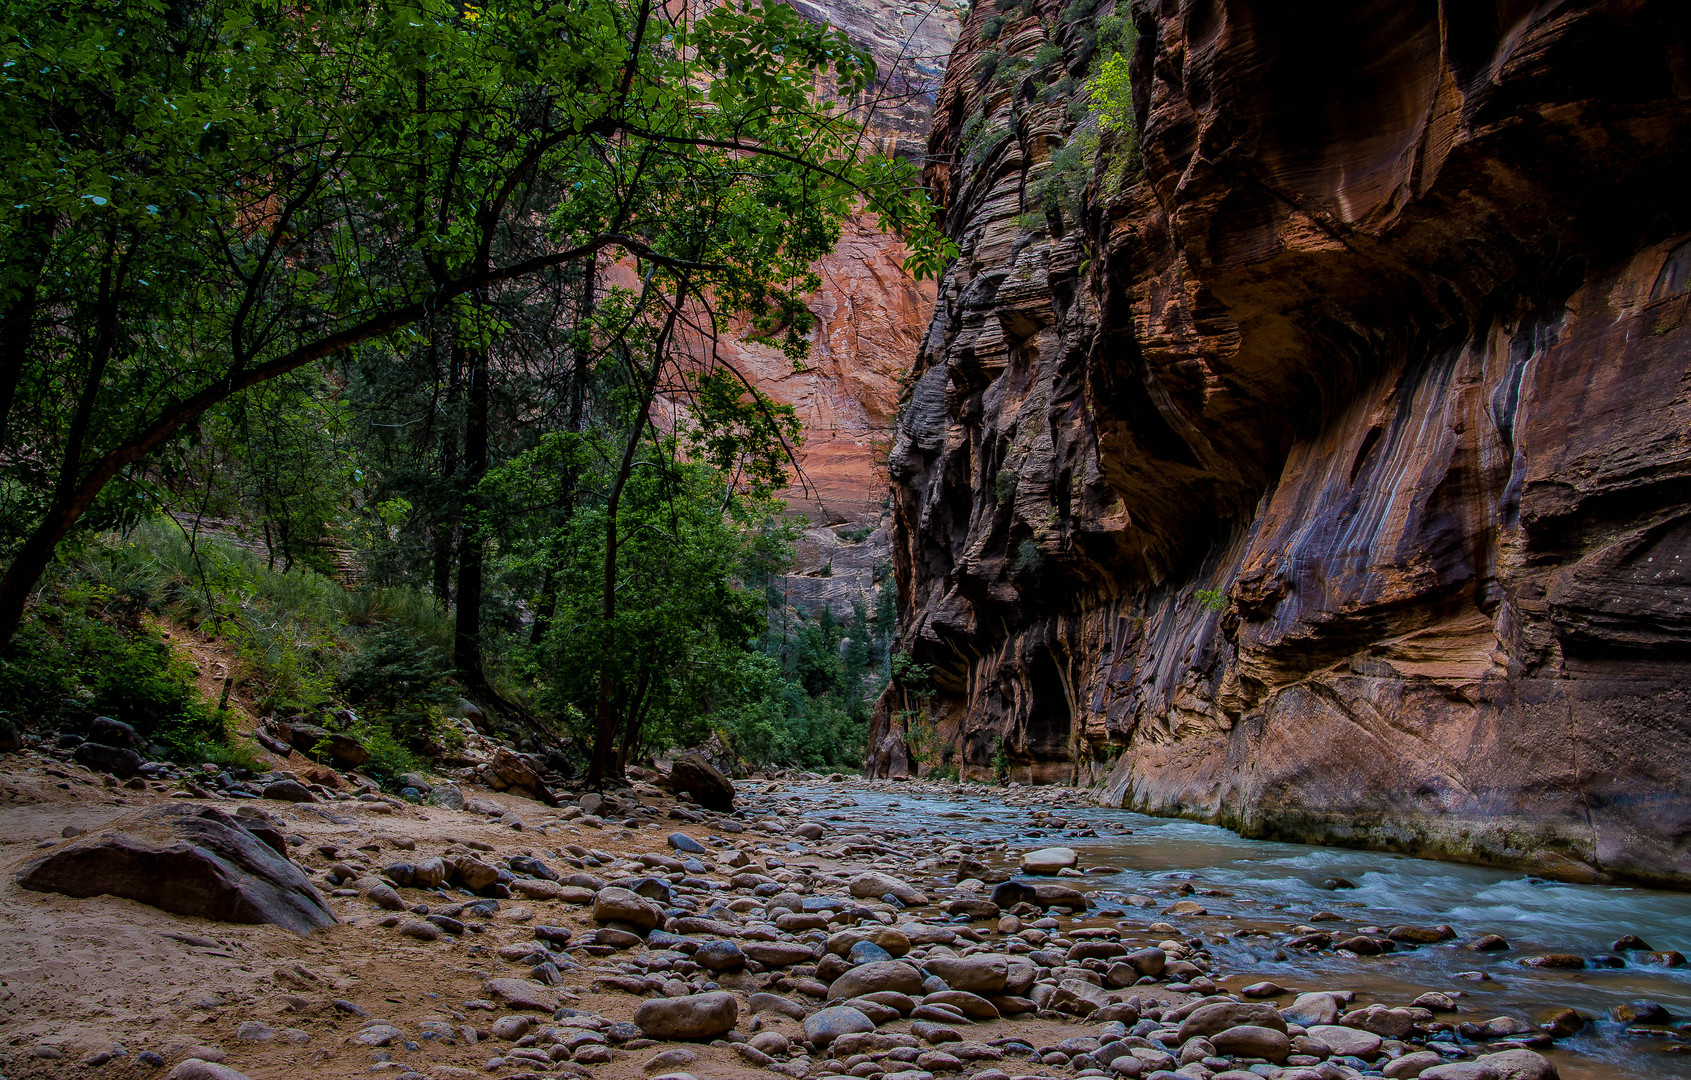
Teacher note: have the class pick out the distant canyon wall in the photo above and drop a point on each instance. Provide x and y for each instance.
(1330, 477)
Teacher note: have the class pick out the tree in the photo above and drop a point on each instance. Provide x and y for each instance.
(203, 196)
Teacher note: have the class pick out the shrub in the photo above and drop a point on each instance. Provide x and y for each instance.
(1213, 599)
(1005, 480)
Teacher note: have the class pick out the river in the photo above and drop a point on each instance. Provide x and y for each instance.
(1255, 885)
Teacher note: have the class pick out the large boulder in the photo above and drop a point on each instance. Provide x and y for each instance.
(103, 729)
(120, 761)
(189, 860)
(708, 786)
(310, 739)
(520, 777)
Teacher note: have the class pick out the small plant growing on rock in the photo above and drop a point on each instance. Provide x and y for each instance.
(1213, 599)
(1028, 557)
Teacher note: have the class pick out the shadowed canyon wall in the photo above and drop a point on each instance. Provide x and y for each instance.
(1329, 477)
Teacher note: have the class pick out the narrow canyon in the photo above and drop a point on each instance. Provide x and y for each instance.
(1323, 472)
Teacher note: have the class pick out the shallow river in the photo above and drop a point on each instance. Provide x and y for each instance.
(1275, 886)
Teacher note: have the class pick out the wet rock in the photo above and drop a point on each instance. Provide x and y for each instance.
(1461, 1070)
(1671, 958)
(1348, 1042)
(894, 975)
(972, 909)
(968, 867)
(1411, 1065)
(1434, 1001)
(1487, 943)
(1562, 1023)
(699, 1016)
(1264, 990)
(120, 761)
(1630, 943)
(188, 860)
(1250, 1040)
(1555, 961)
(1049, 860)
(1641, 1012)
(823, 1027)
(1421, 935)
(1520, 1065)
(708, 786)
(1149, 961)
(1498, 1027)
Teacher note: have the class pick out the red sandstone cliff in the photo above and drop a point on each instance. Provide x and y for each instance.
(1386, 342)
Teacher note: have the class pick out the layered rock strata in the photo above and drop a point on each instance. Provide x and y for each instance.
(1328, 477)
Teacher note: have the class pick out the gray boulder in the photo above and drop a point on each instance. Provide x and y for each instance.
(189, 860)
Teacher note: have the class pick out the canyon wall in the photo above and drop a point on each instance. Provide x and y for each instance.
(1324, 468)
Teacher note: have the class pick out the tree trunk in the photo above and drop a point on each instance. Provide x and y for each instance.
(472, 545)
(581, 355)
(17, 318)
(605, 718)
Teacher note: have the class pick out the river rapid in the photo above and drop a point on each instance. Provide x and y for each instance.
(1256, 892)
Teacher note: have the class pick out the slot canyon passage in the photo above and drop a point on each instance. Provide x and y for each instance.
(1237, 627)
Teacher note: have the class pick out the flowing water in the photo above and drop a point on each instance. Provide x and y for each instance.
(1275, 886)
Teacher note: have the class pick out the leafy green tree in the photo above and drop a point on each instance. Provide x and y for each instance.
(202, 196)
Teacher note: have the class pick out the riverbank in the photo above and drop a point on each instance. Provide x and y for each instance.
(819, 929)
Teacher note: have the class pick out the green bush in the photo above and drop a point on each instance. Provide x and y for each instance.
(87, 650)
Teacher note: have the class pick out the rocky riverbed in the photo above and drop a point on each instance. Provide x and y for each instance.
(814, 930)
